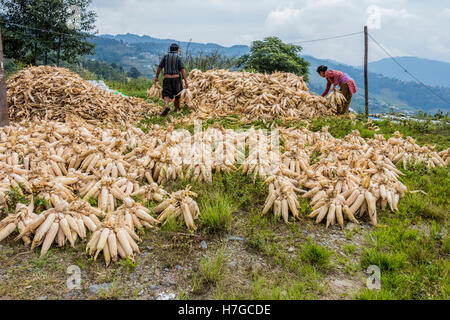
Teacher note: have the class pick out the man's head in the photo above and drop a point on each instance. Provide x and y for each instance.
(321, 70)
(174, 47)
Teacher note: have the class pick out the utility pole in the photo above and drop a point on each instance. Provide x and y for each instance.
(366, 80)
(4, 121)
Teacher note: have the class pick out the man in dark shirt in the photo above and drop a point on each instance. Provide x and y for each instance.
(172, 85)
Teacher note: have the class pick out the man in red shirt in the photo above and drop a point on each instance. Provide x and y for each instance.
(347, 85)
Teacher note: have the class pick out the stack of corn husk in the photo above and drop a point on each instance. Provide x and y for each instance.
(114, 238)
(336, 100)
(220, 93)
(53, 93)
(155, 91)
(180, 204)
(72, 163)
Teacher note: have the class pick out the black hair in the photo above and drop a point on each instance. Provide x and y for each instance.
(322, 69)
(174, 47)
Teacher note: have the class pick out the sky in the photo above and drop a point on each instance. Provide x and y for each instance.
(404, 27)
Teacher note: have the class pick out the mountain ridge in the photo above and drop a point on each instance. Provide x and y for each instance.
(431, 72)
(386, 93)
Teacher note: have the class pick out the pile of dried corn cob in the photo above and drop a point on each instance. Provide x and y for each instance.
(73, 163)
(53, 93)
(336, 100)
(220, 93)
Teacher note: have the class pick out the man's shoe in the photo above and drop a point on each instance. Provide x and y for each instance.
(165, 112)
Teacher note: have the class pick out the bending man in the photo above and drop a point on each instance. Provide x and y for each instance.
(172, 85)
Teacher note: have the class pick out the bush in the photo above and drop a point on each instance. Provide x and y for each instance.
(315, 254)
(216, 213)
(387, 262)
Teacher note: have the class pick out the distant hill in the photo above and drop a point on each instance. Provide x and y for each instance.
(193, 47)
(386, 93)
(431, 72)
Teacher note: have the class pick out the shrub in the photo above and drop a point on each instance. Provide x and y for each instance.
(216, 213)
(315, 254)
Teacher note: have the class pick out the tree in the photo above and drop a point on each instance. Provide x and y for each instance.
(271, 55)
(134, 73)
(39, 30)
(208, 61)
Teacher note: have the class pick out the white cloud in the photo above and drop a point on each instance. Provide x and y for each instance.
(406, 25)
(445, 13)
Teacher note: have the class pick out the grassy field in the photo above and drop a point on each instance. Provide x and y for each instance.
(237, 254)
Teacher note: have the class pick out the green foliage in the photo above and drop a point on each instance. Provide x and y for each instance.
(385, 261)
(97, 70)
(271, 55)
(212, 268)
(285, 289)
(134, 73)
(314, 254)
(132, 88)
(424, 132)
(216, 213)
(128, 264)
(12, 67)
(350, 249)
(139, 198)
(208, 61)
(15, 196)
(411, 258)
(435, 202)
(32, 45)
(172, 224)
(93, 201)
(40, 204)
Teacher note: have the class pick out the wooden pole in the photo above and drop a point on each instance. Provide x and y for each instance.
(4, 121)
(366, 80)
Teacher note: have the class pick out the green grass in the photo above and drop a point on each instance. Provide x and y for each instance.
(15, 196)
(216, 213)
(315, 254)
(150, 120)
(436, 184)
(114, 292)
(132, 88)
(172, 224)
(128, 264)
(284, 289)
(411, 247)
(93, 201)
(40, 204)
(212, 269)
(241, 191)
(350, 248)
(424, 132)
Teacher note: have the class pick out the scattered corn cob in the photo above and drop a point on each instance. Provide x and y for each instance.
(179, 205)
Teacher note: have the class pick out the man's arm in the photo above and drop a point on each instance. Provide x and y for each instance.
(161, 66)
(183, 72)
(157, 75)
